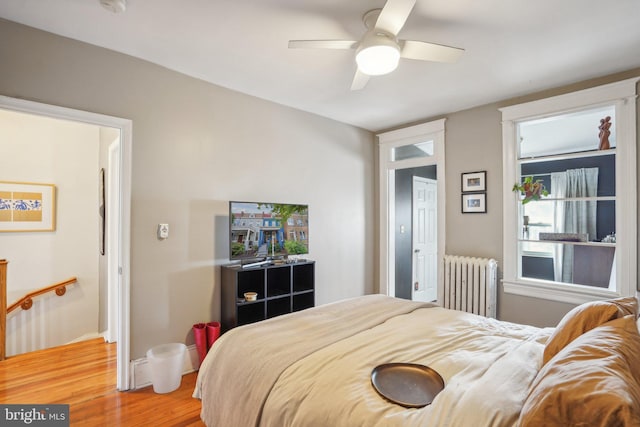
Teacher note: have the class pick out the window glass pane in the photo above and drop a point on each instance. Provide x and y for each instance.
(537, 218)
(421, 149)
(572, 263)
(568, 241)
(594, 221)
(566, 133)
(562, 234)
(584, 177)
(543, 170)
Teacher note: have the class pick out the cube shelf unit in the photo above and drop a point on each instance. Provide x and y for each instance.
(281, 289)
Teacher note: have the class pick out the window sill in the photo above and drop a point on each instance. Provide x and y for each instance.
(572, 294)
(536, 254)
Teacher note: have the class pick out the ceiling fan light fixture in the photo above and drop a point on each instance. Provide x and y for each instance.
(378, 54)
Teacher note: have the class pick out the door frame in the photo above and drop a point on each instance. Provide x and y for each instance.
(113, 266)
(122, 223)
(388, 141)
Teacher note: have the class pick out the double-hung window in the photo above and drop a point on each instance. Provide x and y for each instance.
(576, 240)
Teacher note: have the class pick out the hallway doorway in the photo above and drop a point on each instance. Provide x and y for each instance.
(113, 155)
(406, 153)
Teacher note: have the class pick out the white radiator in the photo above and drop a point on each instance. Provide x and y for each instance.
(470, 284)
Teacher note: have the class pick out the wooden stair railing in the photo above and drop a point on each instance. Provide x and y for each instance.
(26, 302)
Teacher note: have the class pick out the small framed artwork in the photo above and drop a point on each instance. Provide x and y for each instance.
(474, 203)
(474, 181)
(26, 206)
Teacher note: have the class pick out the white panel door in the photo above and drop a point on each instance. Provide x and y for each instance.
(425, 240)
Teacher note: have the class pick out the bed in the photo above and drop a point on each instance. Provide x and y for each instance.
(313, 368)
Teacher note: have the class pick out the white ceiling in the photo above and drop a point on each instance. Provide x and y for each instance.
(513, 47)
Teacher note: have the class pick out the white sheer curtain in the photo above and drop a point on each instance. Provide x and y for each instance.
(580, 216)
(558, 191)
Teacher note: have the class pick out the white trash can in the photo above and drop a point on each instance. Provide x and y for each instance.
(165, 363)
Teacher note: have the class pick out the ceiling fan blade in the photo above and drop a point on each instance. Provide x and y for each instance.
(322, 44)
(359, 80)
(423, 51)
(393, 15)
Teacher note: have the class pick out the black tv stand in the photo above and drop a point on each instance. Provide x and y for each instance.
(282, 288)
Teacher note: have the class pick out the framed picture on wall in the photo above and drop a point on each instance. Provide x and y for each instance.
(474, 203)
(26, 206)
(474, 181)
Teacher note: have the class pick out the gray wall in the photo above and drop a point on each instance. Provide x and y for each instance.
(195, 147)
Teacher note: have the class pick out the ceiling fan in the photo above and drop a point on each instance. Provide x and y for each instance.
(379, 50)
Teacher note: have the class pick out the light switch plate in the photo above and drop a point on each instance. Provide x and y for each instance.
(163, 231)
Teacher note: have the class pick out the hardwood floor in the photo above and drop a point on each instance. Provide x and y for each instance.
(83, 375)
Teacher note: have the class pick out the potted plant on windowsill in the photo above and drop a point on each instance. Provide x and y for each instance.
(530, 189)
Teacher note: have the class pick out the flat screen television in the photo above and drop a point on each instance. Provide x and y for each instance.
(259, 230)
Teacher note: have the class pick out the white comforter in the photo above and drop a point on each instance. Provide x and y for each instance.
(313, 368)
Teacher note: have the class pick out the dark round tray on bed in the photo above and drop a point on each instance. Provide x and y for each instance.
(407, 384)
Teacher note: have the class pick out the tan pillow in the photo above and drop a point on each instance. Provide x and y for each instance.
(627, 305)
(594, 381)
(579, 320)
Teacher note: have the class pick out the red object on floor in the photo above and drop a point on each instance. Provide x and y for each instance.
(200, 336)
(213, 332)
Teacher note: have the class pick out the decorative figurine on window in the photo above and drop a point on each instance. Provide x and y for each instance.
(605, 124)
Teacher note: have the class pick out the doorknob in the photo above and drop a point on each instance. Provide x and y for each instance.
(415, 251)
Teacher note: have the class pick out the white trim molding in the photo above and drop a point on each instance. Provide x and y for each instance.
(126, 141)
(387, 142)
(622, 95)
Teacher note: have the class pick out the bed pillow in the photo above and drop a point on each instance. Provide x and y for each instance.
(585, 317)
(627, 305)
(594, 381)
